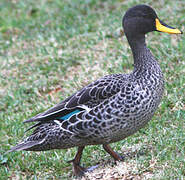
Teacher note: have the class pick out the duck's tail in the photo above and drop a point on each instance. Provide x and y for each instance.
(26, 145)
(46, 136)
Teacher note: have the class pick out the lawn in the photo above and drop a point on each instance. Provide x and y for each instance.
(49, 49)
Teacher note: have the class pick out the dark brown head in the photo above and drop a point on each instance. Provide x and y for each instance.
(142, 19)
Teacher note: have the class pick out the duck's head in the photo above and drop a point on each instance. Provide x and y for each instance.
(142, 19)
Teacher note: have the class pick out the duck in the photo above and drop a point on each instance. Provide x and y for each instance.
(111, 108)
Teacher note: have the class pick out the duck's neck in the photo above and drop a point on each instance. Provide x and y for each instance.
(141, 54)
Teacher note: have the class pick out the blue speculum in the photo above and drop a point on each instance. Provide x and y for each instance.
(67, 116)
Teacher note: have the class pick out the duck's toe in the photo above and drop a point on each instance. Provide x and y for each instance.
(78, 170)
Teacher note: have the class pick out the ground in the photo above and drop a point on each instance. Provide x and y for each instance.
(50, 49)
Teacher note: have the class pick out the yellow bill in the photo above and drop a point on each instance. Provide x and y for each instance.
(160, 26)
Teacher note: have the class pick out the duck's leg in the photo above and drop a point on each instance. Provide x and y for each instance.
(77, 169)
(114, 154)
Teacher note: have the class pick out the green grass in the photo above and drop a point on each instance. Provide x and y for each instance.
(50, 49)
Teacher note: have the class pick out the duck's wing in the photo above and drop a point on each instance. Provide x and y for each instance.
(83, 100)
